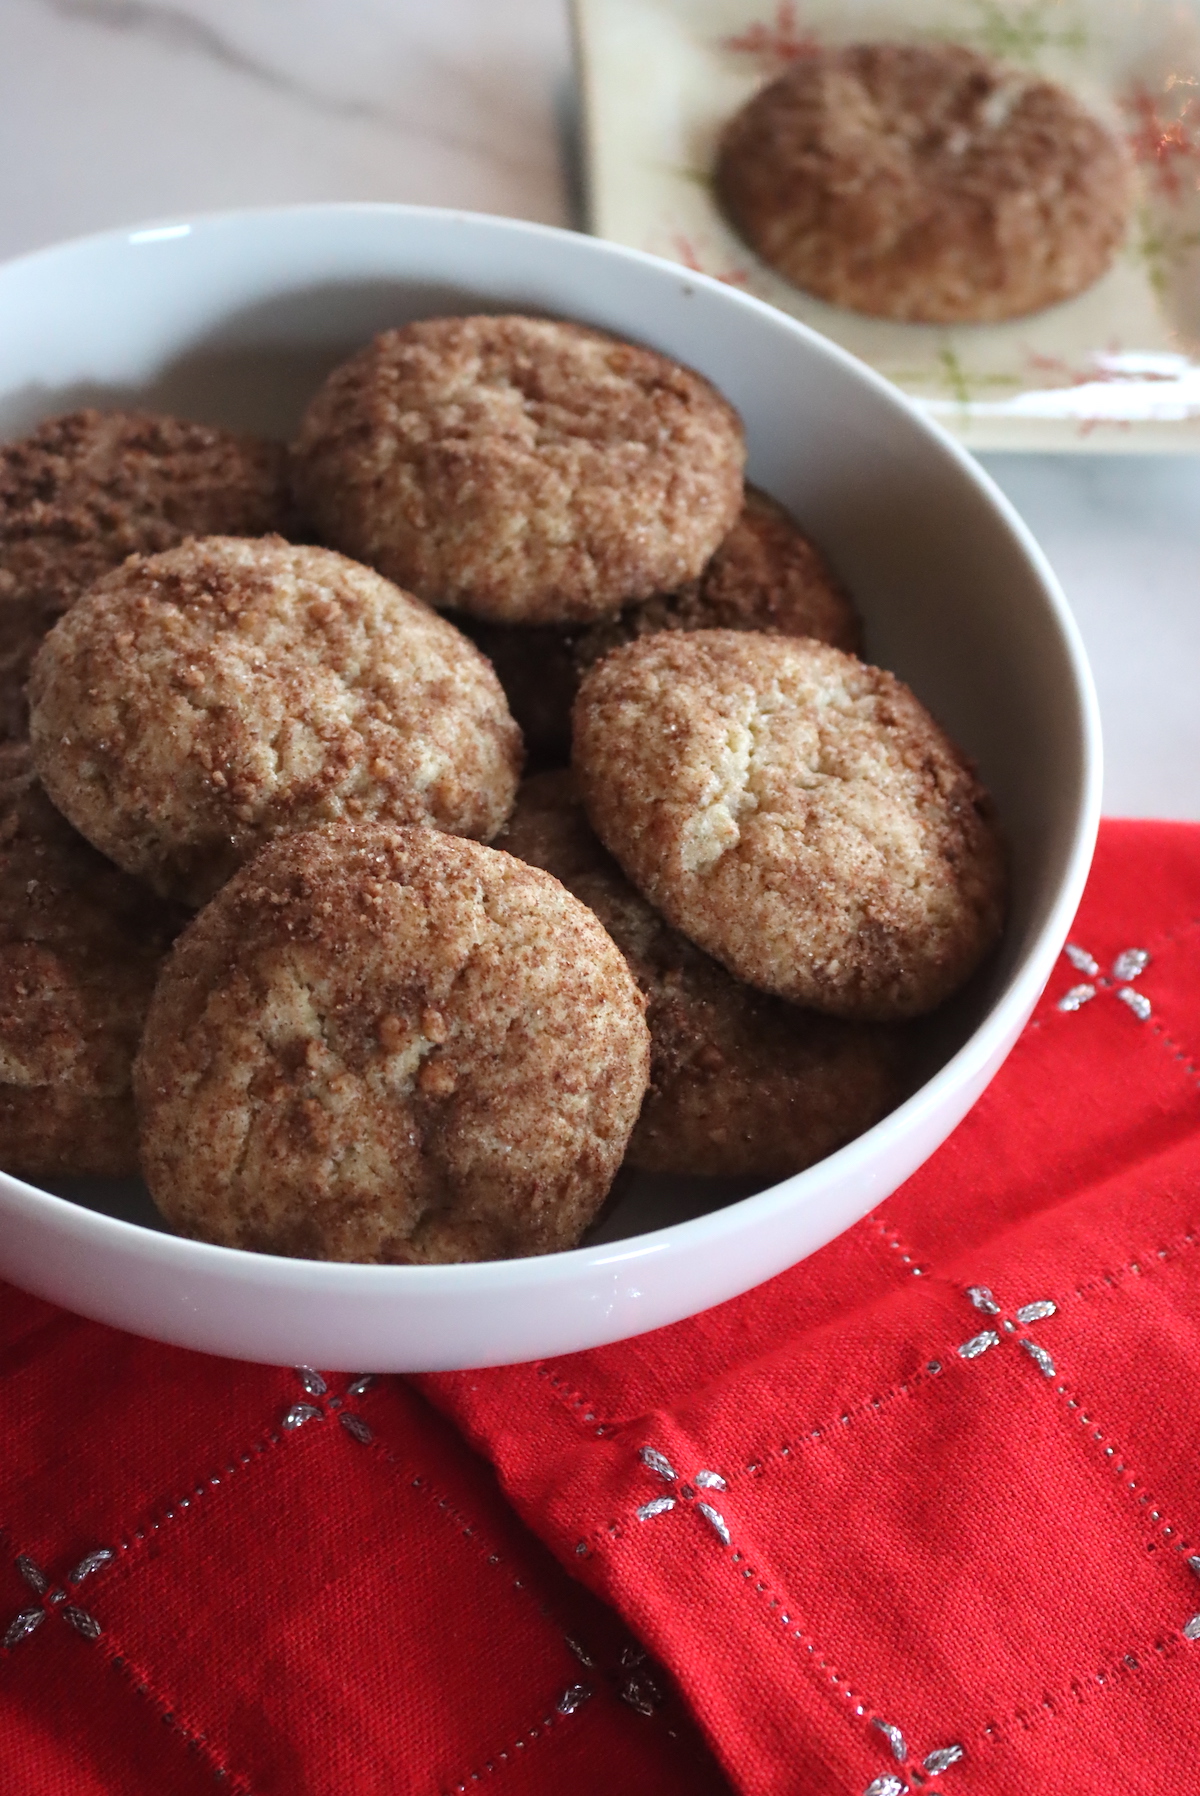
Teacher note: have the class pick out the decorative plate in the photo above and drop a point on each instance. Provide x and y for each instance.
(1116, 368)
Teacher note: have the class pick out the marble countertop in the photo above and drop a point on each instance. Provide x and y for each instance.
(120, 111)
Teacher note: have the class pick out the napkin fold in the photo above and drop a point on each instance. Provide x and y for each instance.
(921, 1514)
(922, 1511)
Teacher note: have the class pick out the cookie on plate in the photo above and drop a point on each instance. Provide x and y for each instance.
(196, 704)
(796, 813)
(525, 470)
(80, 946)
(766, 575)
(925, 182)
(392, 1046)
(741, 1084)
(84, 490)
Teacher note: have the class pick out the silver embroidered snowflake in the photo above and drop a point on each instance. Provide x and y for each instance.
(316, 1386)
(983, 1300)
(932, 1765)
(662, 1468)
(1131, 963)
(53, 1599)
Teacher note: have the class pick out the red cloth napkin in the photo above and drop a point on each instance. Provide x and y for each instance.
(920, 1515)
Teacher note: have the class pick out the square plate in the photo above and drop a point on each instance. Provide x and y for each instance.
(1116, 368)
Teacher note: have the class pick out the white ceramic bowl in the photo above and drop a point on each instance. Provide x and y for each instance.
(233, 319)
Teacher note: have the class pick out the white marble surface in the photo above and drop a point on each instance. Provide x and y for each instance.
(113, 111)
(120, 111)
(1123, 534)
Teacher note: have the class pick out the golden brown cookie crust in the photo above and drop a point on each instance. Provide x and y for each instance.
(391, 1046)
(80, 947)
(796, 813)
(926, 183)
(521, 469)
(84, 490)
(196, 704)
(766, 575)
(741, 1084)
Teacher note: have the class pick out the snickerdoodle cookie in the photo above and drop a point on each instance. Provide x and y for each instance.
(925, 182)
(741, 1084)
(80, 945)
(392, 1046)
(196, 704)
(22, 628)
(795, 812)
(766, 575)
(521, 469)
(83, 491)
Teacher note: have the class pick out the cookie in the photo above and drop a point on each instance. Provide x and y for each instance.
(196, 704)
(925, 182)
(83, 491)
(765, 575)
(22, 629)
(741, 1084)
(393, 1046)
(49, 1132)
(80, 947)
(520, 469)
(796, 813)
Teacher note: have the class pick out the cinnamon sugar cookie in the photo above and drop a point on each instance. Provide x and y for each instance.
(196, 704)
(392, 1046)
(80, 946)
(521, 469)
(22, 629)
(84, 490)
(741, 1084)
(925, 182)
(766, 575)
(796, 813)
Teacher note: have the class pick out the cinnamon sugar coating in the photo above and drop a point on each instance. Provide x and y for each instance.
(84, 490)
(390, 1046)
(741, 1084)
(765, 575)
(80, 947)
(196, 704)
(796, 813)
(53, 1132)
(521, 469)
(925, 182)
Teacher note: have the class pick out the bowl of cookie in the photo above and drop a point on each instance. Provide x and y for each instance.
(535, 791)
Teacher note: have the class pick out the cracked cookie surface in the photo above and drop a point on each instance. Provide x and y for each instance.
(521, 469)
(926, 183)
(196, 704)
(796, 813)
(741, 1084)
(392, 1046)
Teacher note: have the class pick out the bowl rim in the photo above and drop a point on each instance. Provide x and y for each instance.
(989, 1040)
